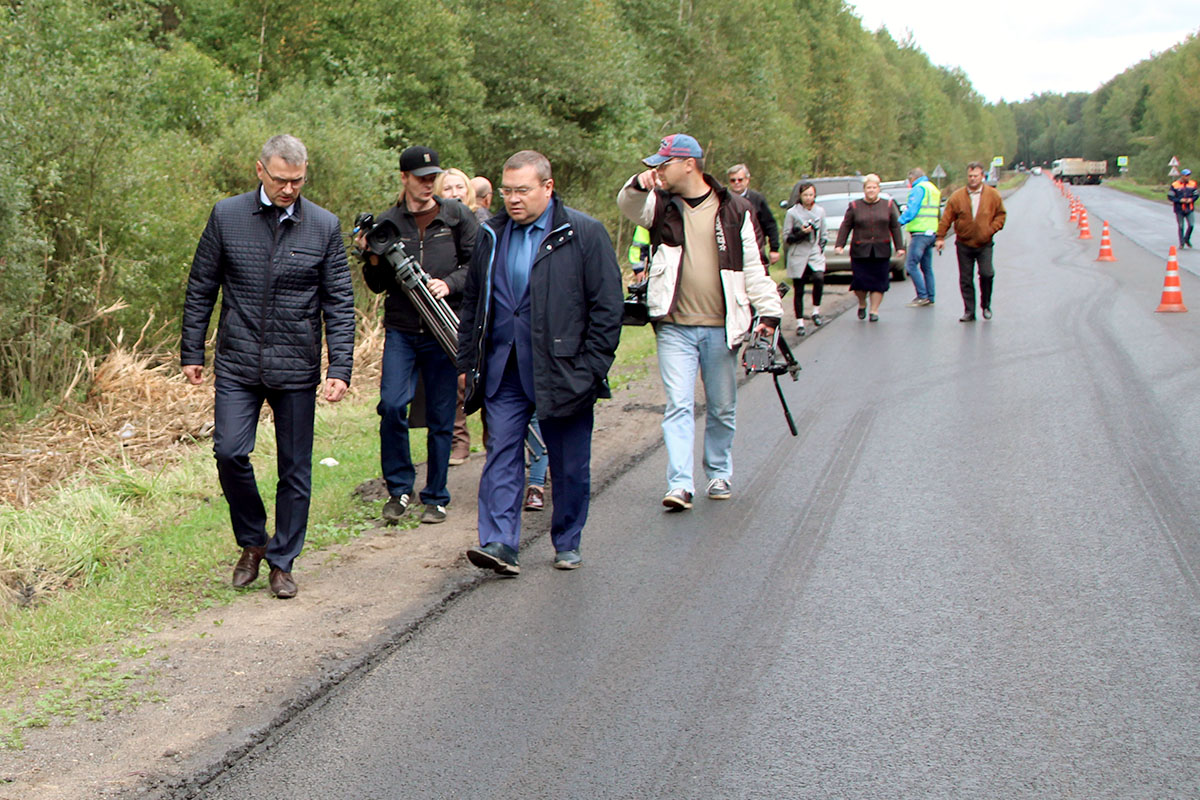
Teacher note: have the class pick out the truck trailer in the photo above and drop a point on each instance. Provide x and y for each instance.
(1079, 170)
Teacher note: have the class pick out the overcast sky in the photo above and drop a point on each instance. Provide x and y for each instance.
(1026, 47)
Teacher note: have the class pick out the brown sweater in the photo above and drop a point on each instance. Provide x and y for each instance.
(973, 231)
(872, 229)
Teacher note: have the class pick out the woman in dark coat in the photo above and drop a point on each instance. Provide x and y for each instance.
(873, 225)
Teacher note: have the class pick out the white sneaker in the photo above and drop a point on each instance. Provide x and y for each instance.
(719, 489)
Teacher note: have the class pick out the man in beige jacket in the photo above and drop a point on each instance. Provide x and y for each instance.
(977, 213)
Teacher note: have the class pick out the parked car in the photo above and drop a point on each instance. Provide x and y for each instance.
(835, 206)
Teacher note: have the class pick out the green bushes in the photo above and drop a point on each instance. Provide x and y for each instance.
(123, 123)
(1148, 113)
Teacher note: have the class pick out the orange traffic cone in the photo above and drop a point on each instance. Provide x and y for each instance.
(1074, 210)
(1106, 253)
(1172, 298)
(1085, 231)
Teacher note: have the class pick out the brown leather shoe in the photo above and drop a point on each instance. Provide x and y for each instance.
(282, 585)
(245, 572)
(535, 498)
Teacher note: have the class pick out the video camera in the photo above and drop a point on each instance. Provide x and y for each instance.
(383, 240)
(770, 353)
(637, 311)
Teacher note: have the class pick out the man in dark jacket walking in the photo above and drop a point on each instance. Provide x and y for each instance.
(739, 183)
(541, 318)
(1183, 195)
(440, 236)
(280, 268)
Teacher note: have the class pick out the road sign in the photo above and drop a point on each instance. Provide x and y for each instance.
(938, 172)
(1174, 162)
(1174, 172)
(998, 161)
(1122, 161)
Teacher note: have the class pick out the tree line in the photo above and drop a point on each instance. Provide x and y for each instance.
(1149, 113)
(125, 120)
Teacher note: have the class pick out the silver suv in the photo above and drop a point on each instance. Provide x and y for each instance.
(835, 206)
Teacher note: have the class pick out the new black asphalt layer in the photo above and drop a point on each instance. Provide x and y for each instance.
(972, 574)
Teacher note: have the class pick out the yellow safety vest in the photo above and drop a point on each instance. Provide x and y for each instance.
(641, 240)
(926, 220)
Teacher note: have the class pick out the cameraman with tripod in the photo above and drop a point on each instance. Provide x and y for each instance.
(441, 236)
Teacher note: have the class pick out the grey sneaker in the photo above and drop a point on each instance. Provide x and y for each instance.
(719, 489)
(395, 509)
(568, 559)
(434, 514)
(677, 500)
(917, 302)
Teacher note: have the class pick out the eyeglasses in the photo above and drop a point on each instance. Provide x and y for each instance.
(518, 191)
(663, 165)
(297, 182)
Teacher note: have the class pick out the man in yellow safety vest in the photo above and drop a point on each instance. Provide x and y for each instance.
(920, 219)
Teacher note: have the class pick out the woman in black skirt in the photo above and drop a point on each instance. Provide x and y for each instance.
(872, 224)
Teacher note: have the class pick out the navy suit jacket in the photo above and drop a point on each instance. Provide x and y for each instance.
(510, 326)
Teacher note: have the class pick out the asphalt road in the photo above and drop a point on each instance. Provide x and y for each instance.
(972, 574)
(1149, 224)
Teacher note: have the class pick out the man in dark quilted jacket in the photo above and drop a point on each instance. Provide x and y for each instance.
(279, 265)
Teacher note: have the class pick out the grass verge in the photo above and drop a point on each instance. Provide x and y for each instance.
(1149, 191)
(146, 549)
(135, 550)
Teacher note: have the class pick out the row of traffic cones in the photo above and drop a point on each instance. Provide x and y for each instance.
(1172, 295)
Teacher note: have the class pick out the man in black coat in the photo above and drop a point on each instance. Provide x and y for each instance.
(280, 267)
(739, 183)
(541, 318)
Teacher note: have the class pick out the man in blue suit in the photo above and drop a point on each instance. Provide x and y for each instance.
(541, 318)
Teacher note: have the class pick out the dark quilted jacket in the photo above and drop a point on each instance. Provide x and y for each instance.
(276, 290)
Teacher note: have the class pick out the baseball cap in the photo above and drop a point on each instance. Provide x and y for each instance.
(1185, 172)
(677, 145)
(420, 161)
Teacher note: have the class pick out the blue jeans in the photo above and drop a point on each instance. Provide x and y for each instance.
(682, 351)
(1182, 219)
(404, 354)
(920, 252)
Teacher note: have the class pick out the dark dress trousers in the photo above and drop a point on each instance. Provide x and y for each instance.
(549, 350)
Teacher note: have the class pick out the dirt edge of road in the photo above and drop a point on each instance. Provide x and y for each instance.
(230, 679)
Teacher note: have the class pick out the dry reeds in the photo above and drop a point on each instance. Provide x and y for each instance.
(138, 409)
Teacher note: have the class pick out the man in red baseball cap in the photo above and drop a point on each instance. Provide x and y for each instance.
(696, 296)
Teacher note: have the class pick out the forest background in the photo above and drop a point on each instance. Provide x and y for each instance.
(123, 122)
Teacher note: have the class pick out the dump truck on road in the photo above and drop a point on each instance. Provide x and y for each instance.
(1079, 170)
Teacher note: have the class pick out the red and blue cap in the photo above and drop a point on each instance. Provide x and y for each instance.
(677, 145)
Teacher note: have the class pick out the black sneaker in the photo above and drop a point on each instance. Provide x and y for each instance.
(817, 320)
(495, 556)
(395, 508)
(434, 514)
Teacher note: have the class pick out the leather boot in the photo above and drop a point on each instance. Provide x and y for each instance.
(245, 572)
(282, 585)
